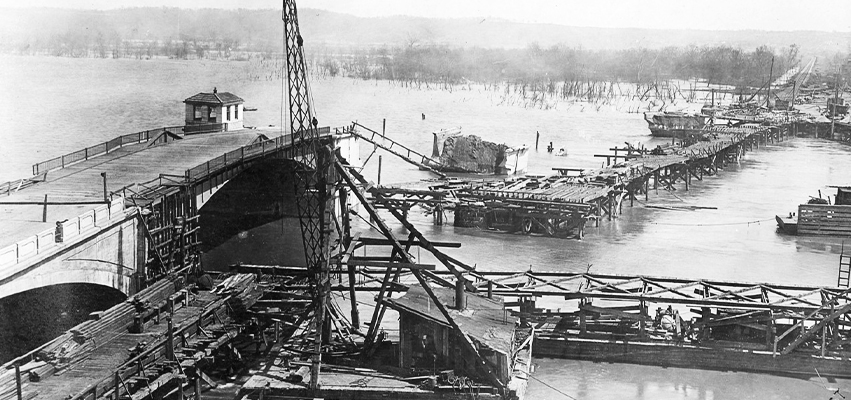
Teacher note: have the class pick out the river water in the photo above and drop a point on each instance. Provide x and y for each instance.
(51, 106)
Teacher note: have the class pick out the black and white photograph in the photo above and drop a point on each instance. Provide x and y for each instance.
(425, 200)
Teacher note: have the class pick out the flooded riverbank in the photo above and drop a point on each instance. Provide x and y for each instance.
(91, 100)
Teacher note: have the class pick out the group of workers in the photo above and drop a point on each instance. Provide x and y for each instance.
(670, 321)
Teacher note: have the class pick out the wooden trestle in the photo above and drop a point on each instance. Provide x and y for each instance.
(560, 205)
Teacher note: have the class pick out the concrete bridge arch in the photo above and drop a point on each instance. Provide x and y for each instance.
(252, 217)
(107, 256)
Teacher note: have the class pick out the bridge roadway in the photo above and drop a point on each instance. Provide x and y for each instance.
(128, 165)
(89, 222)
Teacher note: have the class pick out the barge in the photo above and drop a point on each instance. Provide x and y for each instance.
(697, 323)
(818, 217)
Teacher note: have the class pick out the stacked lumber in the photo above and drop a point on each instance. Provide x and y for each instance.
(242, 291)
(77, 343)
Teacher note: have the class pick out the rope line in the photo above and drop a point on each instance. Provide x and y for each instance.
(718, 224)
(549, 386)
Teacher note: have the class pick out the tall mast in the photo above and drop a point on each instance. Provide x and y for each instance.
(313, 184)
(768, 91)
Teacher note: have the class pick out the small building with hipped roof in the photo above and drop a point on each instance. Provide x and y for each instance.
(223, 108)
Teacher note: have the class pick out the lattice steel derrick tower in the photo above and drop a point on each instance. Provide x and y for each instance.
(315, 183)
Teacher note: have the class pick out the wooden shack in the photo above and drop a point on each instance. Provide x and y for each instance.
(214, 108)
(427, 341)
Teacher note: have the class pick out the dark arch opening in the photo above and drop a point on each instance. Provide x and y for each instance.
(34, 317)
(253, 219)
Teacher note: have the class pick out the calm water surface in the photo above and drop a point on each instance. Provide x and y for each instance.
(53, 106)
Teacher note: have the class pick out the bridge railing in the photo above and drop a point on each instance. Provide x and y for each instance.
(239, 155)
(244, 153)
(52, 238)
(119, 142)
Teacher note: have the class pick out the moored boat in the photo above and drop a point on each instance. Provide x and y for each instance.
(675, 124)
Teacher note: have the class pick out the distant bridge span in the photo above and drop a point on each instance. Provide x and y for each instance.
(124, 213)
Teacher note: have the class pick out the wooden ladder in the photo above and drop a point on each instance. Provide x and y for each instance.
(411, 156)
(844, 269)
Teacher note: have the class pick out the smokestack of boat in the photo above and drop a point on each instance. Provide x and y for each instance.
(460, 297)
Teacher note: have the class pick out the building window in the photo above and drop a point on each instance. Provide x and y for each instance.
(227, 115)
(236, 111)
(211, 117)
(198, 111)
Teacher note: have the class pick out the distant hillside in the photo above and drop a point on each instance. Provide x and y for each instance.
(261, 29)
(489, 33)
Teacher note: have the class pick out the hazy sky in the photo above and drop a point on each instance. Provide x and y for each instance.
(823, 15)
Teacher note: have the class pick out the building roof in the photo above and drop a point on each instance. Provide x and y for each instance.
(214, 98)
(484, 319)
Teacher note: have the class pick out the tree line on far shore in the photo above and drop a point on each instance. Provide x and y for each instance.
(256, 34)
(722, 65)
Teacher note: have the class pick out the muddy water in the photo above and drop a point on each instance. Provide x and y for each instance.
(53, 106)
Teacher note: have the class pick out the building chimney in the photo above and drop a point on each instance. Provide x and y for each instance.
(214, 90)
(460, 296)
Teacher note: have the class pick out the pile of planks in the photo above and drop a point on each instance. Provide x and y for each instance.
(242, 290)
(77, 344)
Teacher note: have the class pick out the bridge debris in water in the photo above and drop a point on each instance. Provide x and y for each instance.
(455, 152)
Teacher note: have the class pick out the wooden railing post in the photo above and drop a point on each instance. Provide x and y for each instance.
(117, 390)
(18, 389)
